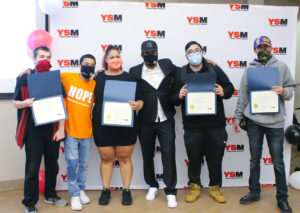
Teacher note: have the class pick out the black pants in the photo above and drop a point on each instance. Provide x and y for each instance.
(36, 145)
(165, 131)
(209, 143)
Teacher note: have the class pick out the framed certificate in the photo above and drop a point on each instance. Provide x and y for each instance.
(201, 103)
(263, 102)
(117, 114)
(48, 110)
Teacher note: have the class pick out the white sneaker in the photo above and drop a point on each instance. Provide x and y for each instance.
(84, 199)
(172, 203)
(75, 203)
(152, 192)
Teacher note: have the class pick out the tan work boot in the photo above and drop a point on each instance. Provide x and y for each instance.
(194, 193)
(214, 192)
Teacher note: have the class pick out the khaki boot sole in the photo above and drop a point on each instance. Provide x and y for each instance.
(192, 201)
(217, 200)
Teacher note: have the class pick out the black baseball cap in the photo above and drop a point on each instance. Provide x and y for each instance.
(149, 45)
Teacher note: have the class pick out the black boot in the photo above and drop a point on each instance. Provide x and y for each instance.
(126, 197)
(284, 206)
(249, 198)
(105, 197)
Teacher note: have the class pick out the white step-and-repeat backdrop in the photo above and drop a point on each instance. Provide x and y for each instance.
(226, 32)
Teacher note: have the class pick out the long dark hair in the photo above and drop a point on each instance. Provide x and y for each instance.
(107, 51)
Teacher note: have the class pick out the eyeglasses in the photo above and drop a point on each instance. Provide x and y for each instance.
(198, 50)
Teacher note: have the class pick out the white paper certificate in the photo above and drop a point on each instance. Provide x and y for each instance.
(117, 114)
(48, 110)
(264, 102)
(201, 103)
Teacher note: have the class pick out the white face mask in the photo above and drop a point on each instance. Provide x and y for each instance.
(195, 58)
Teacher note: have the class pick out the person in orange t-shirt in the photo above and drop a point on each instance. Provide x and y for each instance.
(79, 103)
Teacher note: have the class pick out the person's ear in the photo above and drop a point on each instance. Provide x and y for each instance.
(255, 51)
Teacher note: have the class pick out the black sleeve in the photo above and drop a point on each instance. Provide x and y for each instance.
(224, 81)
(138, 93)
(176, 87)
(17, 93)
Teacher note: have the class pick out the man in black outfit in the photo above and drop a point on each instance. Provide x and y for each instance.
(157, 119)
(38, 140)
(204, 135)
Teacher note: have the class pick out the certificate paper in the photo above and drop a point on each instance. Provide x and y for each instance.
(264, 102)
(117, 114)
(48, 110)
(201, 103)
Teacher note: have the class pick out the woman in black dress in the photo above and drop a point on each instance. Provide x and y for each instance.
(114, 141)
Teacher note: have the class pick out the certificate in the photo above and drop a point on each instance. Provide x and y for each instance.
(48, 110)
(201, 103)
(117, 114)
(264, 102)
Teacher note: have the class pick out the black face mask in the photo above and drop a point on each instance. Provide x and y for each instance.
(87, 71)
(263, 56)
(150, 59)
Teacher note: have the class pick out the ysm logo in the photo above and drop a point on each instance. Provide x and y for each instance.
(104, 46)
(239, 7)
(116, 164)
(235, 148)
(68, 33)
(155, 33)
(233, 175)
(159, 177)
(157, 149)
(155, 5)
(68, 63)
(278, 22)
(115, 188)
(230, 120)
(267, 185)
(197, 20)
(238, 35)
(268, 161)
(279, 50)
(236, 93)
(62, 149)
(237, 64)
(64, 178)
(112, 18)
(70, 4)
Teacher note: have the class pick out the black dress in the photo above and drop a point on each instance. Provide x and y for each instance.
(111, 135)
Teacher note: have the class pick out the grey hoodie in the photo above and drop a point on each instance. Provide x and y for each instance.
(268, 120)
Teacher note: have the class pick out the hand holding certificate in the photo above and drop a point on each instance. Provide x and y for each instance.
(116, 109)
(260, 83)
(48, 105)
(201, 98)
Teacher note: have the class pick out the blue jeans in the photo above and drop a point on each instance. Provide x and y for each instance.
(77, 153)
(275, 138)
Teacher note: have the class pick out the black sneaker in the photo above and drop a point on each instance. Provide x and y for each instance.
(30, 209)
(249, 198)
(126, 197)
(105, 197)
(284, 206)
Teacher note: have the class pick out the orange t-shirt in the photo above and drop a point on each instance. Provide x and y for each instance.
(79, 104)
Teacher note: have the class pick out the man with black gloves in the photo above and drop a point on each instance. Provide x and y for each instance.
(204, 135)
(38, 140)
(268, 124)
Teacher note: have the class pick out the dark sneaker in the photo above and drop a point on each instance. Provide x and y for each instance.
(126, 197)
(284, 206)
(249, 198)
(30, 209)
(56, 201)
(105, 197)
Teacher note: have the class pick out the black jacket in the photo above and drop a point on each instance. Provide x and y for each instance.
(149, 112)
(202, 121)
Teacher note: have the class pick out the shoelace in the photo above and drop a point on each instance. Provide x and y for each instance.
(31, 209)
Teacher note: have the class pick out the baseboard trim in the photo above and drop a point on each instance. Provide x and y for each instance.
(11, 184)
